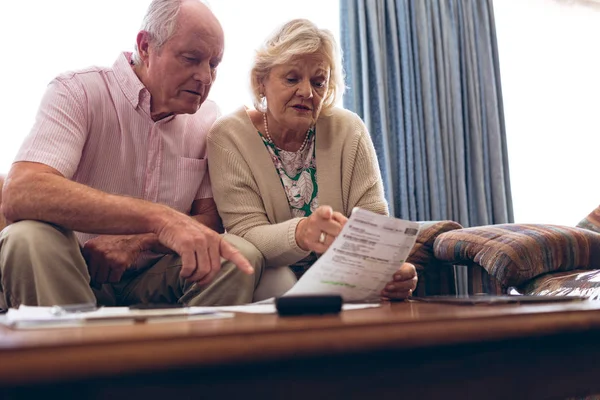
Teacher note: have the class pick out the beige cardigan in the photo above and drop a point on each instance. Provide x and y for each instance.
(249, 194)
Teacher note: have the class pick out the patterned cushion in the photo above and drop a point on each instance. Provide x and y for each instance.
(592, 221)
(515, 253)
(571, 283)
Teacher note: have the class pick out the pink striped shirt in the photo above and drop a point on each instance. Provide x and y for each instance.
(94, 127)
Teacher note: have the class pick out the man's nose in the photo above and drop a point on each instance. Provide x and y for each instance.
(204, 74)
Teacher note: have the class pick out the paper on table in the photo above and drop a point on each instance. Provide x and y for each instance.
(44, 317)
(362, 259)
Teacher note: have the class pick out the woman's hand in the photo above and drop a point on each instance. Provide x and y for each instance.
(319, 230)
(402, 284)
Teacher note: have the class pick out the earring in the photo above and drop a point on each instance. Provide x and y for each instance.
(263, 102)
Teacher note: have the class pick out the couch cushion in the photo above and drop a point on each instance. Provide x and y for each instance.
(569, 283)
(515, 253)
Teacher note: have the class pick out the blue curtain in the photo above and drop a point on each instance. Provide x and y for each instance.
(424, 77)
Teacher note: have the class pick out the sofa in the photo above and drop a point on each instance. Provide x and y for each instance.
(530, 259)
(533, 259)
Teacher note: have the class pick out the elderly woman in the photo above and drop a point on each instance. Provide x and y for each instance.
(287, 174)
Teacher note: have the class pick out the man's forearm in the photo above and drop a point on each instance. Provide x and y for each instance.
(55, 199)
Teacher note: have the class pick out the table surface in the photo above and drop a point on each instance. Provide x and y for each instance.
(32, 356)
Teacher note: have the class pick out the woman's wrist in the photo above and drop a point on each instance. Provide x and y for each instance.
(299, 234)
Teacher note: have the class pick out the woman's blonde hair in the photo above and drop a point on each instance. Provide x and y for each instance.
(296, 38)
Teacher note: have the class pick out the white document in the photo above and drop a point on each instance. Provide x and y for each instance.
(362, 259)
(27, 317)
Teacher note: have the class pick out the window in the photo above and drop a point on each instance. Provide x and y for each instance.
(45, 38)
(549, 65)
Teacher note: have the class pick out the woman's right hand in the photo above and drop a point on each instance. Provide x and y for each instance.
(319, 230)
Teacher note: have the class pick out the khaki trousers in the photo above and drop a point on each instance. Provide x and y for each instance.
(41, 264)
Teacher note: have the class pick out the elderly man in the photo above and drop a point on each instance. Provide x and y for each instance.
(109, 195)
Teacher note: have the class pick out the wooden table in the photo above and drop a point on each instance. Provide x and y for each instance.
(403, 350)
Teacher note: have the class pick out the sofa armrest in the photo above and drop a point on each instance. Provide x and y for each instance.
(516, 253)
(422, 252)
(434, 277)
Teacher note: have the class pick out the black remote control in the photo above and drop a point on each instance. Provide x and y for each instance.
(309, 304)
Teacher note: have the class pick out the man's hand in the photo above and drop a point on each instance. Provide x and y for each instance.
(402, 284)
(200, 248)
(108, 257)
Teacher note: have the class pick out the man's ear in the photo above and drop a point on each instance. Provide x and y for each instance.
(143, 45)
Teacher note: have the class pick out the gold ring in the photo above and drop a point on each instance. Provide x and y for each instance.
(322, 237)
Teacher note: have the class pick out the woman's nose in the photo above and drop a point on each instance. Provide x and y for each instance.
(304, 89)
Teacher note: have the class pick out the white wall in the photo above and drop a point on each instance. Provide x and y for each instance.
(42, 38)
(549, 56)
(550, 66)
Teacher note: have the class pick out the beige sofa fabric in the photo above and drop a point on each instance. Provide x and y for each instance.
(2, 220)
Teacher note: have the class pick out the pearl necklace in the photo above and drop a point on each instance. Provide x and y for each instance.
(271, 139)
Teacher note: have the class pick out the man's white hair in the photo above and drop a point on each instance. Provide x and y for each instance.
(160, 22)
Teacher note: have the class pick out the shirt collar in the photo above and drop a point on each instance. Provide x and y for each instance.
(129, 82)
